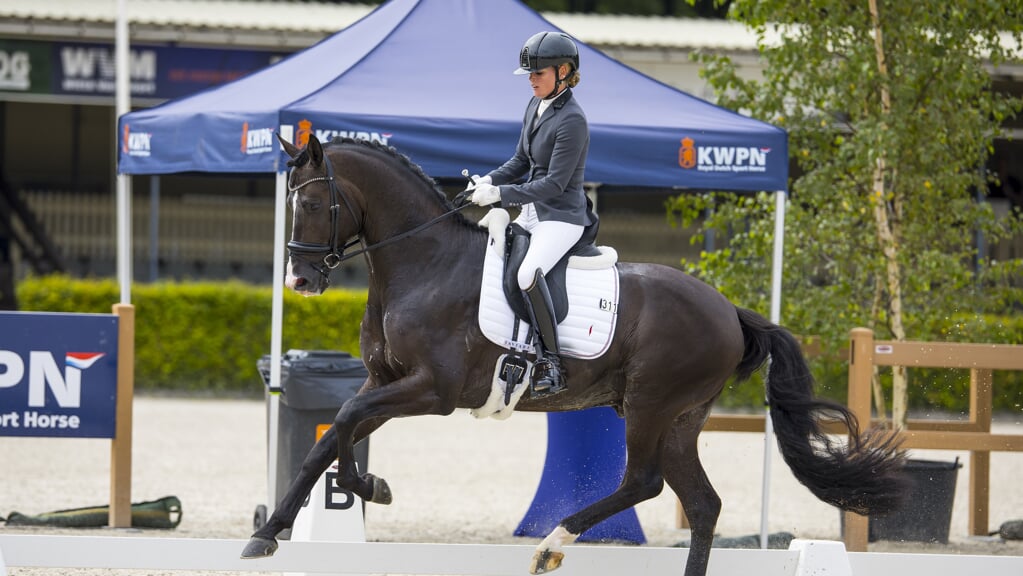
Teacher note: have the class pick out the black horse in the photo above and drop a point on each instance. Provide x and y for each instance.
(677, 342)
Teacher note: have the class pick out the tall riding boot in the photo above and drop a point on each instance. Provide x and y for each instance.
(546, 378)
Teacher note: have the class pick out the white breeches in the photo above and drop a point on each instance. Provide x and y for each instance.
(549, 242)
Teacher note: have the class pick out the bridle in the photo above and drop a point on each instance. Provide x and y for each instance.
(333, 252)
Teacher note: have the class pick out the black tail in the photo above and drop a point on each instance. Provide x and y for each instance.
(863, 476)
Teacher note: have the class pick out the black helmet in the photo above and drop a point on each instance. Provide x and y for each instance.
(547, 49)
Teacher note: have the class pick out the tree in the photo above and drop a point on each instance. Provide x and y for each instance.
(890, 115)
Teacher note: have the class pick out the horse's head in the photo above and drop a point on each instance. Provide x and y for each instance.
(323, 217)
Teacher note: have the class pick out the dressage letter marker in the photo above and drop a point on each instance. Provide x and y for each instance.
(331, 514)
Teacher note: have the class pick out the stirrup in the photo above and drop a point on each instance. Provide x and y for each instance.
(546, 379)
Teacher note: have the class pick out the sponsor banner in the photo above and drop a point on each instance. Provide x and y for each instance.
(58, 374)
(88, 69)
(24, 67)
(704, 160)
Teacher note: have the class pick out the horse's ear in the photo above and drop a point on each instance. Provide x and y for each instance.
(289, 148)
(315, 150)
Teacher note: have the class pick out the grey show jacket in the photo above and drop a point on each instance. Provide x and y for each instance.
(551, 154)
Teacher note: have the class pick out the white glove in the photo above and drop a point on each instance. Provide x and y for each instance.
(485, 194)
(476, 179)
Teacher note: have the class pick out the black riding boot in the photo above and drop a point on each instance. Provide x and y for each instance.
(546, 378)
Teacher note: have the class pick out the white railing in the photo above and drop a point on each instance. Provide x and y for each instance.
(804, 558)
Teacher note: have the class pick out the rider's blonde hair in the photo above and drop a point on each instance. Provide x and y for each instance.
(573, 75)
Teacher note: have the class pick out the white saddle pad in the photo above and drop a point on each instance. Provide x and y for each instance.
(587, 330)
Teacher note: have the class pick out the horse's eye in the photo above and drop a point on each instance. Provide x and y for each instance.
(310, 205)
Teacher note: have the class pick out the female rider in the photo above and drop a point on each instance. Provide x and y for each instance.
(551, 156)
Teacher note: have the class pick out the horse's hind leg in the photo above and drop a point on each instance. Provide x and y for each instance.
(641, 481)
(685, 475)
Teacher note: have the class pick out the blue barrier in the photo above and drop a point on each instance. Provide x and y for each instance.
(585, 462)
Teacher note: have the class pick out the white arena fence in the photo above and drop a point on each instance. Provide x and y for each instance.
(803, 558)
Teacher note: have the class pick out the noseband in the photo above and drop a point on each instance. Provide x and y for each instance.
(333, 253)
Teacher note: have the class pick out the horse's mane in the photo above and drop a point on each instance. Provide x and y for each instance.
(411, 166)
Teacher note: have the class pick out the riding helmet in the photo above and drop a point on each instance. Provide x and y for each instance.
(547, 49)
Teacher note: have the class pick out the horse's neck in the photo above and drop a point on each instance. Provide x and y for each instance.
(446, 251)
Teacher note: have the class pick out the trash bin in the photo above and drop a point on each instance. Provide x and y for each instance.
(314, 385)
(927, 513)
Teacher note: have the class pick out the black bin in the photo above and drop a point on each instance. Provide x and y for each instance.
(927, 513)
(314, 385)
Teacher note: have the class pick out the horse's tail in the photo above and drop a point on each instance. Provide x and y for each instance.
(863, 476)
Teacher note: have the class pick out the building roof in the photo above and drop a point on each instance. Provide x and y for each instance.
(299, 24)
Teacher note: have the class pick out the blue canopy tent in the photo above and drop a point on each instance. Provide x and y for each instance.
(433, 78)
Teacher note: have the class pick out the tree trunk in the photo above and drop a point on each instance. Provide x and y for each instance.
(887, 238)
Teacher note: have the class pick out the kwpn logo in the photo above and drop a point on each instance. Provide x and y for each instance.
(136, 143)
(257, 140)
(722, 158)
(305, 128)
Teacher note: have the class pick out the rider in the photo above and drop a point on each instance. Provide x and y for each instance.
(551, 154)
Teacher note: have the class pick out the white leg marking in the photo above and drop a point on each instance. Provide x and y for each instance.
(556, 539)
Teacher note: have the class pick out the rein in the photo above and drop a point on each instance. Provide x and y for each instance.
(334, 254)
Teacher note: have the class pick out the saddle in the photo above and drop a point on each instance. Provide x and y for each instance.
(584, 287)
(516, 245)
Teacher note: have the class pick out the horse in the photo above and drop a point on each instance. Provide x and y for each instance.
(677, 342)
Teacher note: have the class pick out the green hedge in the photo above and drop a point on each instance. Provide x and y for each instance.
(206, 336)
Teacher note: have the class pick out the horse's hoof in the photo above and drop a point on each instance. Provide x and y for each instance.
(259, 548)
(546, 561)
(381, 492)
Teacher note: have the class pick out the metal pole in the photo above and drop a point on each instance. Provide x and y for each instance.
(122, 107)
(276, 326)
(776, 274)
(154, 228)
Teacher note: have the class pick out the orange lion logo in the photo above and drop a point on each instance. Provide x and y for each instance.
(305, 128)
(687, 154)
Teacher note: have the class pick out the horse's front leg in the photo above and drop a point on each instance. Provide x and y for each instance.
(412, 395)
(264, 540)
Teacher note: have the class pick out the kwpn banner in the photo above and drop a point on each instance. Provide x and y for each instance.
(58, 374)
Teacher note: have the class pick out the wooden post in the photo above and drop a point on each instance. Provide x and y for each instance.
(120, 446)
(861, 366)
(980, 460)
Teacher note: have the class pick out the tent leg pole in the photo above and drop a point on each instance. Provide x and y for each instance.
(276, 326)
(776, 273)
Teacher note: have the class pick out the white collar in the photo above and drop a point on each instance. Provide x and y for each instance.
(546, 102)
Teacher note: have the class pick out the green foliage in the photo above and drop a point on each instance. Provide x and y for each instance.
(876, 148)
(206, 336)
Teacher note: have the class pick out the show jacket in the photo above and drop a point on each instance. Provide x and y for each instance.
(551, 155)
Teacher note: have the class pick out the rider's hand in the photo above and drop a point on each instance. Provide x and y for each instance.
(476, 179)
(485, 194)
